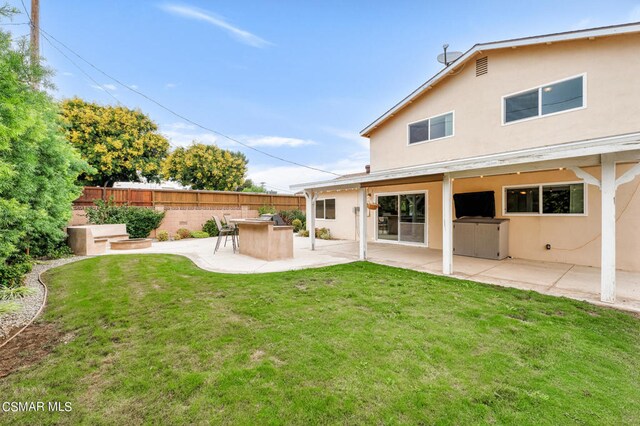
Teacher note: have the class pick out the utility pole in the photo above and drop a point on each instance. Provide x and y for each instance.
(35, 32)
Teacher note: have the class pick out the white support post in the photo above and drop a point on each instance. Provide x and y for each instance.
(608, 256)
(362, 222)
(447, 225)
(311, 198)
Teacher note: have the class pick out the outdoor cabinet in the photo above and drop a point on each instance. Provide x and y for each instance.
(483, 237)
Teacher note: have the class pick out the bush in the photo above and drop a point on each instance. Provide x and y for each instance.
(267, 210)
(199, 234)
(210, 228)
(8, 308)
(297, 224)
(162, 235)
(13, 270)
(11, 293)
(303, 233)
(177, 237)
(140, 221)
(288, 216)
(184, 233)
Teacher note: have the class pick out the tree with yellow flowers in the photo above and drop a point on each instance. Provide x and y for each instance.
(121, 144)
(206, 167)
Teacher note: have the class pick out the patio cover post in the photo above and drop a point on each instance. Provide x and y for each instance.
(447, 225)
(608, 256)
(311, 198)
(362, 222)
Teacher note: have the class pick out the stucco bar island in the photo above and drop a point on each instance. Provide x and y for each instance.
(263, 239)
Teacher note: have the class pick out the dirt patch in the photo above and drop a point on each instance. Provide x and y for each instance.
(257, 355)
(32, 345)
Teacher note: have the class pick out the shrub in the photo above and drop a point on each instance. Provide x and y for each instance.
(162, 235)
(303, 233)
(288, 216)
(325, 235)
(177, 237)
(13, 270)
(8, 308)
(10, 293)
(297, 224)
(140, 221)
(210, 228)
(199, 234)
(267, 210)
(184, 233)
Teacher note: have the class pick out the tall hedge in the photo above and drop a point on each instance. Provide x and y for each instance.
(140, 221)
(38, 167)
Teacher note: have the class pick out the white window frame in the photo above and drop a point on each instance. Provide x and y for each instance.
(426, 219)
(585, 199)
(325, 208)
(453, 128)
(539, 89)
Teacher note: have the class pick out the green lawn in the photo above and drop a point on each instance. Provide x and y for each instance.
(157, 340)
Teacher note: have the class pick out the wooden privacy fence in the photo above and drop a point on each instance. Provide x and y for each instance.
(187, 198)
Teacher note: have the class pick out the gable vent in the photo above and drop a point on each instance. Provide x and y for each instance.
(482, 66)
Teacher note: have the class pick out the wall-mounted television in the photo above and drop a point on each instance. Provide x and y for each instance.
(475, 204)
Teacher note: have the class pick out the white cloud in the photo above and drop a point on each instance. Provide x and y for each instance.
(283, 176)
(170, 85)
(133, 86)
(67, 74)
(634, 15)
(105, 87)
(201, 15)
(582, 24)
(348, 135)
(274, 141)
(182, 134)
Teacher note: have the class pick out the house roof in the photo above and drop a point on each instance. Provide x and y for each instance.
(483, 47)
(554, 155)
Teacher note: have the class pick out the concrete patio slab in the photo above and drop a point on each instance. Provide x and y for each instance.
(557, 279)
(525, 271)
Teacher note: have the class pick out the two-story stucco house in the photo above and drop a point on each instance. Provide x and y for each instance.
(543, 131)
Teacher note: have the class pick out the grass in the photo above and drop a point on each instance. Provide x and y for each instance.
(8, 308)
(156, 340)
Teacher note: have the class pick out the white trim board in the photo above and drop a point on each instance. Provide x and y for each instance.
(468, 167)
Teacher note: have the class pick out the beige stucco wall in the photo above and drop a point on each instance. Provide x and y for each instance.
(344, 226)
(612, 67)
(574, 239)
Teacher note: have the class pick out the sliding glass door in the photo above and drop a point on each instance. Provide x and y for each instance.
(402, 217)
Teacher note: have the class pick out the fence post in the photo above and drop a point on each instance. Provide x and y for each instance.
(198, 198)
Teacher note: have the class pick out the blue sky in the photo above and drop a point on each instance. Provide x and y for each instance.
(297, 79)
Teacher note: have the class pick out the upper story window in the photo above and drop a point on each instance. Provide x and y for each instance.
(549, 99)
(438, 127)
(326, 209)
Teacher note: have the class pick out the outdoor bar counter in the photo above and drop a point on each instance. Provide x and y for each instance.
(263, 239)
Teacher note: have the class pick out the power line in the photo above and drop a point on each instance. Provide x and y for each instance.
(182, 117)
(71, 60)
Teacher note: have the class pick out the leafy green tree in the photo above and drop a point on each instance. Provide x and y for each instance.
(38, 167)
(206, 167)
(120, 143)
(249, 186)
